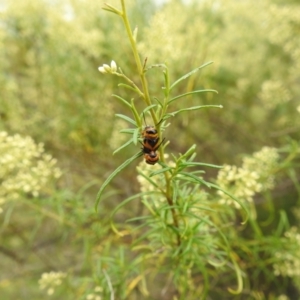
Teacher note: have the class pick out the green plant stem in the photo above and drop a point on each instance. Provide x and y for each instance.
(171, 203)
(138, 62)
(131, 82)
(169, 190)
(146, 97)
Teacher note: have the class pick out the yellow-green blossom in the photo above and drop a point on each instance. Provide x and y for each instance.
(288, 259)
(253, 177)
(49, 281)
(95, 296)
(274, 93)
(25, 167)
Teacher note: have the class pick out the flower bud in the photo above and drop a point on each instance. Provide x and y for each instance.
(113, 66)
(102, 70)
(107, 68)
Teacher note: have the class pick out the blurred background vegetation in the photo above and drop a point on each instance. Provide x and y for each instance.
(52, 91)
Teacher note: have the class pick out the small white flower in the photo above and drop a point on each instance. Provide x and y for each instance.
(102, 70)
(113, 66)
(108, 69)
(51, 280)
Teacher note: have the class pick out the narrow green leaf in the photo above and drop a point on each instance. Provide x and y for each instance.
(140, 218)
(194, 164)
(145, 236)
(191, 93)
(128, 130)
(123, 146)
(189, 74)
(150, 180)
(206, 277)
(239, 276)
(119, 206)
(283, 224)
(160, 171)
(197, 172)
(175, 192)
(136, 114)
(189, 152)
(122, 100)
(114, 174)
(129, 87)
(158, 101)
(193, 108)
(196, 178)
(178, 251)
(187, 246)
(201, 208)
(185, 207)
(112, 9)
(212, 224)
(166, 88)
(217, 264)
(192, 157)
(168, 207)
(126, 119)
(146, 110)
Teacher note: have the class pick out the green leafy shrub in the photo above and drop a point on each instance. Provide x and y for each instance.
(177, 229)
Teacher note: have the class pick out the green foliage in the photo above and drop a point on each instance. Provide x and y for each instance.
(179, 229)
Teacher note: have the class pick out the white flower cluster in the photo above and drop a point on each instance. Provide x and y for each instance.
(51, 280)
(287, 18)
(96, 295)
(253, 177)
(108, 69)
(25, 168)
(288, 261)
(264, 162)
(274, 93)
